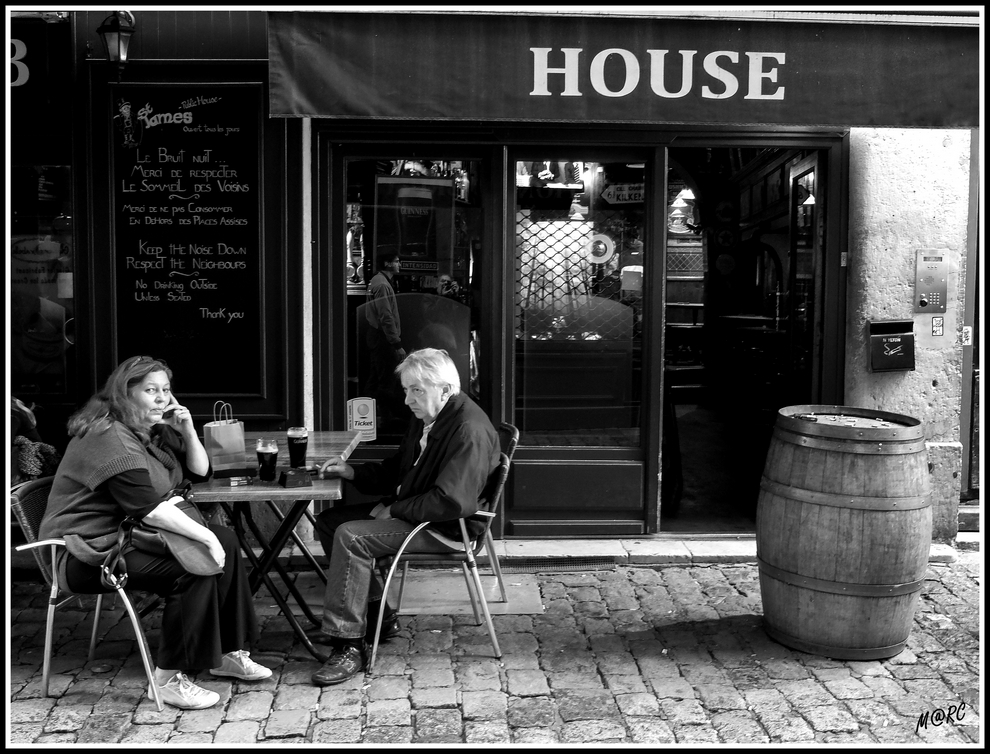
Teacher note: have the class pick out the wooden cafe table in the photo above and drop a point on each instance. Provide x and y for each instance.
(238, 502)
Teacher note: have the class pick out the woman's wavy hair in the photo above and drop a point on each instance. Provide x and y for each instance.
(114, 403)
(431, 365)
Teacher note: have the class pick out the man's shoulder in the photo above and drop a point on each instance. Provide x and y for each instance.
(471, 414)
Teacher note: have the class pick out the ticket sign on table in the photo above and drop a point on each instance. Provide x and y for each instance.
(361, 417)
(187, 235)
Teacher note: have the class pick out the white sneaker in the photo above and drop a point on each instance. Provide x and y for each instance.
(240, 665)
(180, 692)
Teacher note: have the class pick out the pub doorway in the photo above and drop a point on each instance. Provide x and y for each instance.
(641, 342)
(744, 262)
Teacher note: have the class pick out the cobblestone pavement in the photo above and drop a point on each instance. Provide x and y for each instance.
(635, 655)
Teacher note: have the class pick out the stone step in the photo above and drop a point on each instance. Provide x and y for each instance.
(968, 541)
(969, 517)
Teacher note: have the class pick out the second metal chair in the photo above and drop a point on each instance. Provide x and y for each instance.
(28, 502)
(466, 557)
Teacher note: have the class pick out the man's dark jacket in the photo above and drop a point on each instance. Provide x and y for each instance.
(461, 452)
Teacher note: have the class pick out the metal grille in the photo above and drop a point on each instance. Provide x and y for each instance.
(560, 293)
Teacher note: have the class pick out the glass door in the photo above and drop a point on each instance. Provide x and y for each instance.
(413, 273)
(580, 271)
(578, 300)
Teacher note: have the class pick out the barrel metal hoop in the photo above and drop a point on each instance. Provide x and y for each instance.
(796, 419)
(838, 500)
(860, 447)
(835, 587)
(839, 653)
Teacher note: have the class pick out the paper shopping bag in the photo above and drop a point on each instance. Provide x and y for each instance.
(223, 439)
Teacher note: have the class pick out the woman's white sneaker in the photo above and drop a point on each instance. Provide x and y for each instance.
(240, 665)
(180, 692)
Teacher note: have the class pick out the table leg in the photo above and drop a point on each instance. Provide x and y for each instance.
(287, 613)
(276, 544)
(270, 550)
(312, 520)
(302, 547)
(234, 514)
(273, 547)
(260, 573)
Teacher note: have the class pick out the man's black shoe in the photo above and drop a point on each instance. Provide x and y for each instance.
(344, 662)
(390, 628)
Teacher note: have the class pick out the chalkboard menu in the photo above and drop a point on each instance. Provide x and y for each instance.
(187, 232)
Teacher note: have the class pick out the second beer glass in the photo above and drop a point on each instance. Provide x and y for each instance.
(298, 442)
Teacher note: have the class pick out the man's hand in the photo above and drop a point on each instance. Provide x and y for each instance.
(381, 512)
(336, 467)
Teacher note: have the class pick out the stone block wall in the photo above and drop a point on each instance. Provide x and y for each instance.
(909, 190)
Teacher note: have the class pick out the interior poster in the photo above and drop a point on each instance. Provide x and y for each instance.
(414, 218)
(187, 235)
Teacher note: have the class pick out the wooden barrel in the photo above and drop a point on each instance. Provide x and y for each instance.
(843, 530)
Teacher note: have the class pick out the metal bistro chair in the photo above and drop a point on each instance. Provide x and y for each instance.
(28, 501)
(472, 579)
(508, 438)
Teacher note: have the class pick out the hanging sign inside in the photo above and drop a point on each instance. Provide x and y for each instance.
(624, 193)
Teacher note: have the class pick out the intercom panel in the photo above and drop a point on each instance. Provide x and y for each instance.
(931, 281)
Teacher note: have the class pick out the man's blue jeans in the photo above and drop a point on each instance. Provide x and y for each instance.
(352, 540)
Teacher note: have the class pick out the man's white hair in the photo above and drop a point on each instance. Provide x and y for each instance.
(431, 365)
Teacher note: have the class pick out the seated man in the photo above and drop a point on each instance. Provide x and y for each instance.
(437, 474)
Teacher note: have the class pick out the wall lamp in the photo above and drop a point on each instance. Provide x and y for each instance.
(115, 33)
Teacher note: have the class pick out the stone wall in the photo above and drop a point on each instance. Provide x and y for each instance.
(909, 190)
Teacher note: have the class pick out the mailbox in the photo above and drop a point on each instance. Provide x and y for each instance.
(892, 345)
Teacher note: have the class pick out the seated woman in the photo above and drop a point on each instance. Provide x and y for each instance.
(123, 460)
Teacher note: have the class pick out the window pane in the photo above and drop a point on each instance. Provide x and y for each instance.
(578, 302)
(42, 300)
(414, 230)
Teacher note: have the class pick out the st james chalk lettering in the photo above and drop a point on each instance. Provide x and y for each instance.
(186, 164)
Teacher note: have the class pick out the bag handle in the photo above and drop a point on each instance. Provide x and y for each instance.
(109, 577)
(113, 572)
(226, 412)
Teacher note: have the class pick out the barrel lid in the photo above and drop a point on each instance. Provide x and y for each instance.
(845, 420)
(822, 419)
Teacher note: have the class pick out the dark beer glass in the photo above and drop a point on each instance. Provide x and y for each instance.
(267, 460)
(298, 442)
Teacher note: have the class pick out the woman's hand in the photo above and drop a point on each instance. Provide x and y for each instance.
(215, 548)
(166, 515)
(336, 467)
(178, 417)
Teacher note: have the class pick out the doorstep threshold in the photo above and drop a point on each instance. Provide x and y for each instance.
(605, 554)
